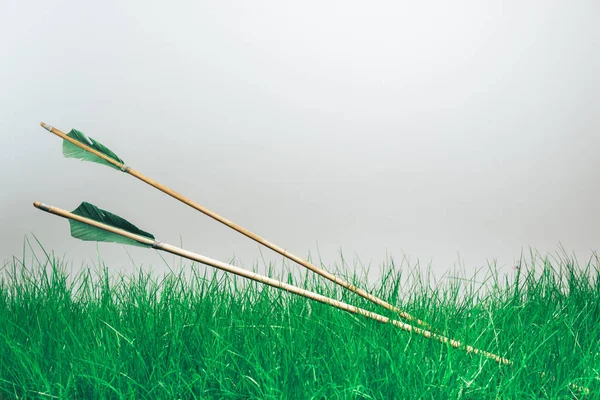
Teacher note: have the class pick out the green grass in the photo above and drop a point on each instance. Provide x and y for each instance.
(192, 334)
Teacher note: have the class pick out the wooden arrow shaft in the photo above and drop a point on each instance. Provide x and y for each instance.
(273, 246)
(270, 281)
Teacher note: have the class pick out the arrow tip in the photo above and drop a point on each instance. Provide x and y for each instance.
(37, 204)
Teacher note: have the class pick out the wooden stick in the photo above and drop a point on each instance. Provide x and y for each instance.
(269, 281)
(240, 229)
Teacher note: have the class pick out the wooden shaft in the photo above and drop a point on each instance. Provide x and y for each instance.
(242, 230)
(271, 245)
(271, 282)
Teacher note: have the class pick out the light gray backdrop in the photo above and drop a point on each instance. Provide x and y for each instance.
(444, 131)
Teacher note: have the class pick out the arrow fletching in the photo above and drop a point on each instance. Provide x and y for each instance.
(80, 230)
(71, 150)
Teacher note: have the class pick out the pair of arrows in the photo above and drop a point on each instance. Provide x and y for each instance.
(91, 223)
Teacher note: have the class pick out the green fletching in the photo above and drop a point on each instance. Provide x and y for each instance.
(73, 151)
(87, 232)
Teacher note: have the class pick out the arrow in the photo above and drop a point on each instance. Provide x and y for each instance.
(77, 145)
(89, 222)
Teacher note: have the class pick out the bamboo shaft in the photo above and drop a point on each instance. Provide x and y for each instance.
(272, 282)
(321, 271)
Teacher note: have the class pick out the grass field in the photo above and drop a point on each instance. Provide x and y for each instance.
(190, 334)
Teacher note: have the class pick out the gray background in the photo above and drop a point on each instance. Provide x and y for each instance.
(446, 132)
